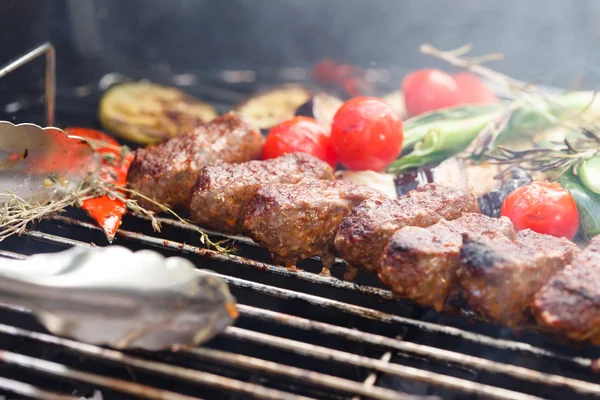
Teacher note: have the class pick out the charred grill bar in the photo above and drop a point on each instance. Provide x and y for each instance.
(301, 334)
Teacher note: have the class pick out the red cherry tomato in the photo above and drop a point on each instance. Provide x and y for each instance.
(427, 90)
(366, 134)
(472, 91)
(300, 134)
(542, 207)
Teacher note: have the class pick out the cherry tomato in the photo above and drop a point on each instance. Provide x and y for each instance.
(542, 207)
(300, 134)
(366, 134)
(472, 91)
(428, 90)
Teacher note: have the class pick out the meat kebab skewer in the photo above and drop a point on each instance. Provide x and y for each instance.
(298, 221)
(168, 171)
(499, 277)
(569, 303)
(223, 190)
(365, 232)
(421, 263)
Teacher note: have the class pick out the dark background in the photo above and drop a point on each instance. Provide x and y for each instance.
(552, 40)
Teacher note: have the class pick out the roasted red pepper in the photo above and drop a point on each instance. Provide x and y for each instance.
(107, 211)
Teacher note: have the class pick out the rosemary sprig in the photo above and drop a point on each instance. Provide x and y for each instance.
(557, 158)
(16, 213)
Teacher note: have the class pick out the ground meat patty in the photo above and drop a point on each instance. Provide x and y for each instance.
(299, 221)
(223, 190)
(421, 263)
(365, 232)
(499, 277)
(167, 172)
(569, 304)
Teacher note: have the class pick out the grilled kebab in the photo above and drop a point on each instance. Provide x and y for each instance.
(421, 263)
(297, 221)
(365, 232)
(569, 303)
(223, 190)
(167, 172)
(499, 276)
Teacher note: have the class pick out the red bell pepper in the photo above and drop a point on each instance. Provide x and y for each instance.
(108, 212)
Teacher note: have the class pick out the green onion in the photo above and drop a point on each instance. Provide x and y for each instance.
(588, 204)
(435, 136)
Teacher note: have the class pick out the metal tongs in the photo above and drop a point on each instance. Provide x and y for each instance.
(113, 296)
(29, 154)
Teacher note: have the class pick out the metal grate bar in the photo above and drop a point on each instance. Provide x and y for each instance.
(53, 368)
(351, 308)
(370, 381)
(332, 382)
(402, 371)
(25, 389)
(208, 379)
(432, 353)
(250, 363)
(232, 258)
(186, 227)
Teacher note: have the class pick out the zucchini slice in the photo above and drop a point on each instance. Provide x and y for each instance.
(269, 108)
(148, 113)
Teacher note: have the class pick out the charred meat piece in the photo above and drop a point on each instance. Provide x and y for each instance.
(421, 263)
(299, 221)
(223, 190)
(365, 232)
(499, 277)
(168, 171)
(569, 304)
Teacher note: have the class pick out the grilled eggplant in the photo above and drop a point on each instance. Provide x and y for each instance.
(148, 113)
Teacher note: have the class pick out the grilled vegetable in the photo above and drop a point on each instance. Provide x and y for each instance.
(429, 90)
(471, 90)
(321, 107)
(542, 207)
(490, 203)
(588, 204)
(366, 134)
(270, 108)
(107, 211)
(300, 134)
(396, 101)
(149, 113)
(375, 180)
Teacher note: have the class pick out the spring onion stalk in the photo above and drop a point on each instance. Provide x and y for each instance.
(588, 204)
(435, 136)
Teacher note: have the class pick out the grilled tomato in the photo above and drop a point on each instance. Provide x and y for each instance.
(302, 135)
(428, 90)
(472, 91)
(542, 207)
(366, 134)
(148, 113)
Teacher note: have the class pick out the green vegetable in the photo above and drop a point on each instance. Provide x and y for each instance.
(588, 204)
(439, 143)
(589, 173)
(450, 119)
(441, 134)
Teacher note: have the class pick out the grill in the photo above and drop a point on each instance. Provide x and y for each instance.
(300, 335)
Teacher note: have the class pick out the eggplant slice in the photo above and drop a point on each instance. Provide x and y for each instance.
(269, 108)
(148, 113)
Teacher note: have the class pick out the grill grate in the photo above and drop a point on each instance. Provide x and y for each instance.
(300, 334)
(393, 360)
